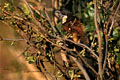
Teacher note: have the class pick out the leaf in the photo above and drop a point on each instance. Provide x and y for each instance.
(116, 33)
(116, 50)
(118, 58)
(56, 49)
(59, 28)
(111, 39)
(91, 37)
(12, 43)
(71, 73)
(38, 52)
(37, 15)
(59, 74)
(6, 5)
(2, 17)
(30, 59)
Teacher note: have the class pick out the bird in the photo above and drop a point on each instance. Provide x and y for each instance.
(72, 25)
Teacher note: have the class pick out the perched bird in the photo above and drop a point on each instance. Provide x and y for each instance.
(72, 24)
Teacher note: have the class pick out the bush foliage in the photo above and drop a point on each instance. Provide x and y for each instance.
(35, 23)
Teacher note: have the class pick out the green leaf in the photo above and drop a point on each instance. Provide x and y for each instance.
(116, 50)
(37, 15)
(56, 49)
(118, 58)
(59, 74)
(30, 59)
(91, 37)
(59, 28)
(2, 17)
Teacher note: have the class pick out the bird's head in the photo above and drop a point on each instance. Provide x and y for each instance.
(61, 16)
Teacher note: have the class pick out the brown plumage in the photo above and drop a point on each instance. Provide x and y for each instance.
(76, 28)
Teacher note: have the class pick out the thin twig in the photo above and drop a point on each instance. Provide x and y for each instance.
(13, 39)
(76, 43)
(84, 46)
(40, 69)
(42, 64)
(66, 3)
(88, 65)
(48, 18)
(27, 4)
(106, 51)
(113, 20)
(36, 11)
(106, 39)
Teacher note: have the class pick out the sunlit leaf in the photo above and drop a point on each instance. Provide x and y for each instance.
(30, 59)
(12, 43)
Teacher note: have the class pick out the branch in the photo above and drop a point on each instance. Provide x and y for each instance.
(106, 51)
(27, 4)
(42, 64)
(5, 39)
(99, 39)
(84, 46)
(113, 20)
(76, 43)
(48, 18)
(81, 68)
(88, 65)
(106, 38)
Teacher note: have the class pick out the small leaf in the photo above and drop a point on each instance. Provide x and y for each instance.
(2, 17)
(30, 59)
(56, 49)
(111, 39)
(38, 52)
(91, 37)
(12, 43)
(6, 5)
(59, 27)
(116, 50)
(59, 74)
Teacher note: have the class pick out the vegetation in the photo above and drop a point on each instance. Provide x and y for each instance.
(37, 26)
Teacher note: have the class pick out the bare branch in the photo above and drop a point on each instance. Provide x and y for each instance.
(88, 65)
(81, 68)
(99, 39)
(106, 51)
(83, 45)
(79, 44)
(48, 18)
(113, 20)
(107, 36)
(13, 39)
(27, 4)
